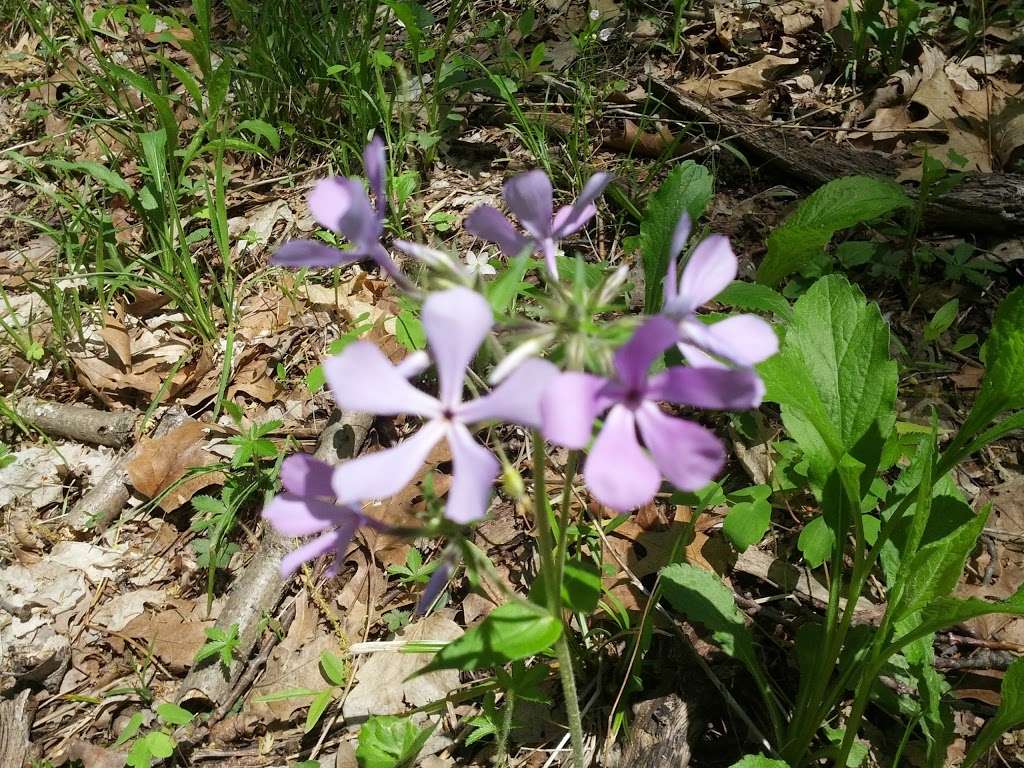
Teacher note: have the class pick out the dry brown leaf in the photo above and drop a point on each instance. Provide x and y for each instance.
(116, 336)
(750, 78)
(174, 635)
(146, 302)
(162, 461)
(252, 380)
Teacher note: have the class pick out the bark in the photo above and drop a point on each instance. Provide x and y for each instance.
(660, 734)
(78, 422)
(15, 719)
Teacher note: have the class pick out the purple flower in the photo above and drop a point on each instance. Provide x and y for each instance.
(341, 205)
(741, 340)
(529, 196)
(307, 507)
(361, 378)
(618, 471)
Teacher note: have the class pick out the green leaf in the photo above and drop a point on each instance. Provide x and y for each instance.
(701, 597)
(754, 296)
(581, 586)
(935, 570)
(840, 204)
(511, 631)
(333, 668)
(816, 541)
(1009, 716)
(1001, 388)
(130, 730)
(139, 756)
(317, 708)
(264, 129)
(159, 744)
(386, 741)
(409, 330)
(759, 761)
(289, 693)
(942, 320)
(503, 291)
(747, 522)
(946, 611)
(833, 375)
(110, 179)
(172, 714)
(688, 187)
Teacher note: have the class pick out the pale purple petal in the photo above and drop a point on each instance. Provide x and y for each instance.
(304, 475)
(438, 580)
(341, 205)
(310, 253)
(634, 358)
(361, 378)
(698, 358)
(456, 322)
(571, 218)
(744, 340)
(488, 223)
(516, 399)
(711, 267)
(375, 165)
(414, 364)
(343, 537)
(296, 516)
(723, 388)
(688, 454)
(311, 551)
(379, 254)
(569, 406)
(550, 251)
(679, 237)
(618, 472)
(385, 473)
(474, 470)
(529, 196)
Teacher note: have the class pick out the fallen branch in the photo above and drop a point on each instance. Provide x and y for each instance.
(79, 422)
(15, 720)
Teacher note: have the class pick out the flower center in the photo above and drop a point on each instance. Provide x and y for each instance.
(633, 398)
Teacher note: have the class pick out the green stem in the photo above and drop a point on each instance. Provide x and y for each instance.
(553, 592)
(506, 728)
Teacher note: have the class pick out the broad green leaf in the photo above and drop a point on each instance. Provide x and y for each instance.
(333, 668)
(946, 611)
(833, 375)
(1010, 714)
(1001, 388)
(754, 296)
(511, 631)
(139, 756)
(130, 730)
(159, 744)
(317, 708)
(840, 204)
(264, 129)
(502, 292)
(747, 522)
(687, 187)
(816, 541)
(172, 714)
(701, 597)
(386, 741)
(941, 320)
(581, 586)
(936, 567)
(110, 179)
(759, 761)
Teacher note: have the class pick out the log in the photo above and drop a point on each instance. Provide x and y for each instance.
(79, 422)
(15, 721)
(659, 735)
(990, 202)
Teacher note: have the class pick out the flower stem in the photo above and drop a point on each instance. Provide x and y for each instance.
(551, 568)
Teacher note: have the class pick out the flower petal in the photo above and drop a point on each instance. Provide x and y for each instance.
(617, 471)
(679, 237)
(571, 218)
(343, 537)
(743, 340)
(456, 322)
(550, 251)
(311, 551)
(529, 196)
(310, 253)
(688, 454)
(634, 358)
(698, 358)
(474, 470)
(341, 205)
(723, 388)
(385, 473)
(361, 378)
(711, 267)
(304, 475)
(296, 516)
(375, 164)
(488, 223)
(438, 580)
(516, 399)
(569, 406)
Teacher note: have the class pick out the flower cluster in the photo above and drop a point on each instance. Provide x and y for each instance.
(638, 443)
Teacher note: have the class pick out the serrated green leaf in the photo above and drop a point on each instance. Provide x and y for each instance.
(317, 708)
(833, 375)
(172, 714)
(1010, 714)
(386, 741)
(840, 204)
(1001, 388)
(511, 631)
(754, 296)
(701, 597)
(688, 187)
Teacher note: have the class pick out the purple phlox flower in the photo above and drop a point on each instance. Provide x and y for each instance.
(620, 473)
(438, 581)
(342, 205)
(361, 378)
(529, 196)
(740, 340)
(307, 507)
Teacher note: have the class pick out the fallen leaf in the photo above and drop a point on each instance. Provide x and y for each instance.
(160, 462)
(750, 78)
(173, 634)
(116, 613)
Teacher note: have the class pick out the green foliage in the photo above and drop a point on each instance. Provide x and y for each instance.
(799, 244)
(219, 643)
(759, 761)
(1010, 714)
(386, 741)
(1001, 389)
(688, 188)
(156, 745)
(749, 516)
(415, 571)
